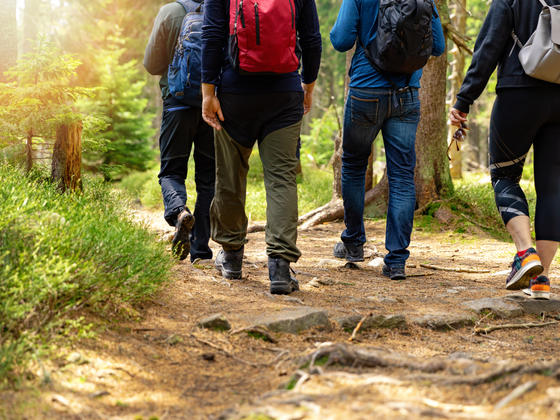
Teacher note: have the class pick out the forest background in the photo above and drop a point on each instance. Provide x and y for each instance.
(63, 62)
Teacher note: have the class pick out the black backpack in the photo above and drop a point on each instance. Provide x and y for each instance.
(404, 36)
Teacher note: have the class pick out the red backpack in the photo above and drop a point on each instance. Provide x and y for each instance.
(262, 36)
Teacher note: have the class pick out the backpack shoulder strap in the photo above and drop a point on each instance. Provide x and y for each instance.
(190, 5)
(544, 3)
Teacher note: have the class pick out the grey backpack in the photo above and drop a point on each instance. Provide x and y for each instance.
(540, 56)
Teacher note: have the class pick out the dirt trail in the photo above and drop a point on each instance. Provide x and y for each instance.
(164, 366)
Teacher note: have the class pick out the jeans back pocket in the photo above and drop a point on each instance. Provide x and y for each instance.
(364, 111)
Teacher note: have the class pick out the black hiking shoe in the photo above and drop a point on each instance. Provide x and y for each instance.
(394, 272)
(229, 263)
(352, 253)
(281, 280)
(181, 243)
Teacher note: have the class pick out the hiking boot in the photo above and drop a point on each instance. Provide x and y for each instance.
(394, 272)
(181, 243)
(352, 253)
(229, 263)
(281, 280)
(523, 269)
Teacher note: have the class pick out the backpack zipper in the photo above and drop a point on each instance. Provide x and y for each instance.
(257, 27)
(292, 11)
(241, 13)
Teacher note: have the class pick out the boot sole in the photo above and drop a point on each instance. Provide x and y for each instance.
(229, 274)
(523, 277)
(282, 288)
(181, 243)
(540, 295)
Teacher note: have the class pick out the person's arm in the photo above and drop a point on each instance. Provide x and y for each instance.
(215, 29)
(438, 44)
(489, 48)
(160, 47)
(309, 34)
(345, 30)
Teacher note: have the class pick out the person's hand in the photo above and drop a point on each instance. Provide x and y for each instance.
(457, 118)
(307, 96)
(211, 109)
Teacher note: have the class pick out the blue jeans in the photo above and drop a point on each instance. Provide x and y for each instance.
(181, 129)
(396, 114)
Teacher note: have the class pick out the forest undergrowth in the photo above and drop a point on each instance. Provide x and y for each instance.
(63, 256)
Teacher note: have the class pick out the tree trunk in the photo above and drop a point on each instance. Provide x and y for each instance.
(31, 20)
(67, 157)
(432, 167)
(29, 152)
(8, 36)
(459, 22)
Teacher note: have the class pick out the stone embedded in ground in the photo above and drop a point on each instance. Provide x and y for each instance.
(215, 322)
(535, 306)
(375, 321)
(443, 320)
(498, 306)
(293, 320)
(326, 262)
(376, 262)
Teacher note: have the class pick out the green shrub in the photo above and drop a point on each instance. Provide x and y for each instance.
(62, 252)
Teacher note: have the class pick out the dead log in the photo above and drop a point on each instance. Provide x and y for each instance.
(67, 157)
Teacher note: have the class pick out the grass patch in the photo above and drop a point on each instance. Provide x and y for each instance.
(61, 254)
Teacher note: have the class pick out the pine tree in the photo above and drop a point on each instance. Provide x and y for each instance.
(120, 104)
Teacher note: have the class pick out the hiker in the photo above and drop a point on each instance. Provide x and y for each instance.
(182, 127)
(382, 96)
(252, 91)
(526, 112)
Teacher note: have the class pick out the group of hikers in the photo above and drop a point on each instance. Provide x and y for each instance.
(236, 72)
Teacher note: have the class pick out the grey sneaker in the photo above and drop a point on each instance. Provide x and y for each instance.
(230, 263)
(394, 272)
(181, 243)
(352, 253)
(281, 280)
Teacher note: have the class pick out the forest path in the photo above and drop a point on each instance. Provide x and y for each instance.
(420, 355)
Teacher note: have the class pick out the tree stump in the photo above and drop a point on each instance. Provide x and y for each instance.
(67, 157)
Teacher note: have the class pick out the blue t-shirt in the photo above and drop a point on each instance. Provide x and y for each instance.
(358, 18)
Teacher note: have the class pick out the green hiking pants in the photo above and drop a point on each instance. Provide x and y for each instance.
(227, 212)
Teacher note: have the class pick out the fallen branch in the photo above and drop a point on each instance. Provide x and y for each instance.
(419, 275)
(486, 330)
(345, 355)
(256, 227)
(353, 336)
(455, 270)
(516, 393)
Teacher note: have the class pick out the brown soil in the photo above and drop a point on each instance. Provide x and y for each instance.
(163, 366)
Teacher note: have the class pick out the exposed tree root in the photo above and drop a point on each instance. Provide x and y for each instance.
(345, 355)
(547, 369)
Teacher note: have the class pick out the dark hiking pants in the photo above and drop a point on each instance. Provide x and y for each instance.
(277, 150)
(181, 129)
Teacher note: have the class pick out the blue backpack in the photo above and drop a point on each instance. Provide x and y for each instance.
(183, 74)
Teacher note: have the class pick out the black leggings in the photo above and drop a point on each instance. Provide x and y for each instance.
(523, 117)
